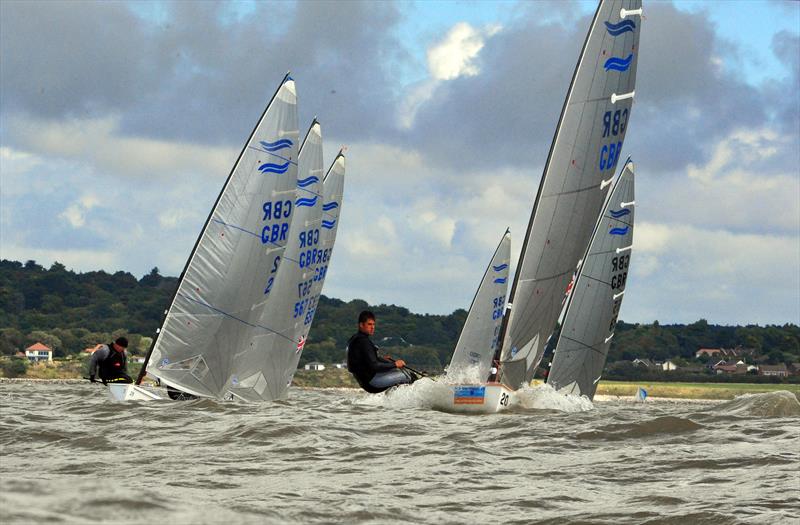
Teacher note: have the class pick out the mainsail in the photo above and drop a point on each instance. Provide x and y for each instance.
(584, 153)
(224, 288)
(332, 193)
(478, 340)
(263, 367)
(597, 295)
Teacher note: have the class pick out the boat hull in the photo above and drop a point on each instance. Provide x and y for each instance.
(130, 392)
(482, 398)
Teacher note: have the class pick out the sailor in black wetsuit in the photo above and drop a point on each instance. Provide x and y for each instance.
(373, 373)
(112, 363)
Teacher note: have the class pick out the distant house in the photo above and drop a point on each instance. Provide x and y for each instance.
(341, 366)
(394, 341)
(729, 367)
(645, 363)
(38, 352)
(711, 352)
(669, 366)
(794, 369)
(314, 365)
(773, 370)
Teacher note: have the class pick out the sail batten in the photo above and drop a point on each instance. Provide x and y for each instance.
(586, 148)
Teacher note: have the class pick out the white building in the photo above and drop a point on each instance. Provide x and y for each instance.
(314, 365)
(38, 352)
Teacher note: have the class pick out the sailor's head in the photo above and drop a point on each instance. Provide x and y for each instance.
(366, 322)
(120, 344)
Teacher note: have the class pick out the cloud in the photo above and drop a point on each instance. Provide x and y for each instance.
(714, 274)
(452, 57)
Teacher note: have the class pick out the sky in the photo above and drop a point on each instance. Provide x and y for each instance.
(119, 122)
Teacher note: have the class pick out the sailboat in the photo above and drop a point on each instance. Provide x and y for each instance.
(580, 165)
(596, 297)
(475, 349)
(225, 287)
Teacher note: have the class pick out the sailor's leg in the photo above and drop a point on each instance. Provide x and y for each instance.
(391, 378)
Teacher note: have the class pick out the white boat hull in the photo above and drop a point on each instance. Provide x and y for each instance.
(130, 392)
(483, 398)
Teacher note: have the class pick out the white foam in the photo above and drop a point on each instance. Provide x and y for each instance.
(545, 397)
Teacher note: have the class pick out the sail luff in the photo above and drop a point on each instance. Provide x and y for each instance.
(143, 370)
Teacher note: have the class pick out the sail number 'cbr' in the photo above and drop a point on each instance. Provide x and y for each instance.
(498, 304)
(613, 125)
(274, 211)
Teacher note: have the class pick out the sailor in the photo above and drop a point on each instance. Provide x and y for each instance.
(374, 373)
(111, 361)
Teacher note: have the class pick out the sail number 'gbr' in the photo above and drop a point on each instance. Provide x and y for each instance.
(275, 211)
(614, 123)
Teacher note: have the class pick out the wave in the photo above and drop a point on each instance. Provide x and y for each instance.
(328, 224)
(274, 168)
(500, 280)
(621, 27)
(500, 268)
(307, 181)
(619, 213)
(618, 64)
(545, 397)
(618, 231)
(275, 146)
(660, 426)
(306, 201)
(771, 404)
(330, 206)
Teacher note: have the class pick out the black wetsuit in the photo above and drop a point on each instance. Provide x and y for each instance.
(363, 362)
(113, 368)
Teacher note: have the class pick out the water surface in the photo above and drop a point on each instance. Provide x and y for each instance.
(341, 456)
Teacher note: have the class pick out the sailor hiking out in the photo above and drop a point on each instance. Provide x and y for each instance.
(374, 373)
(110, 362)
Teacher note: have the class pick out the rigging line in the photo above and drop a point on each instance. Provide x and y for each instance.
(273, 154)
(236, 318)
(593, 349)
(571, 192)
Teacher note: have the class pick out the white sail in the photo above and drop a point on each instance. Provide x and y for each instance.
(264, 368)
(583, 155)
(222, 291)
(591, 315)
(333, 193)
(478, 340)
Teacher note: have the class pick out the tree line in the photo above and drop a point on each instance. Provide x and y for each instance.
(71, 311)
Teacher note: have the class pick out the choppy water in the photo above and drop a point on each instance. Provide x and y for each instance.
(328, 456)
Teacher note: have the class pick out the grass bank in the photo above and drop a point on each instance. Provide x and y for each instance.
(691, 390)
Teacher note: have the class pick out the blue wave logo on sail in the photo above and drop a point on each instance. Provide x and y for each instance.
(307, 182)
(621, 27)
(328, 224)
(619, 213)
(618, 64)
(500, 268)
(274, 168)
(306, 201)
(500, 280)
(276, 146)
(330, 206)
(619, 231)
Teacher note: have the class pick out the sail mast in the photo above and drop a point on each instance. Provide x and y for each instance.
(143, 370)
